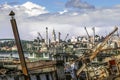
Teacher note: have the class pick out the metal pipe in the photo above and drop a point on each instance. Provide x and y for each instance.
(19, 46)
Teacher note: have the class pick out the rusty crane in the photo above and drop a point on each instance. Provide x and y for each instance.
(96, 51)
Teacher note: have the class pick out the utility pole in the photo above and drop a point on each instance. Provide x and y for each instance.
(19, 46)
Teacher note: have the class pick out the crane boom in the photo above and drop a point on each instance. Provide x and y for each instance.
(40, 35)
(66, 37)
(87, 33)
(98, 49)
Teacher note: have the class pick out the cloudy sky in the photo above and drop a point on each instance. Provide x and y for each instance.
(65, 16)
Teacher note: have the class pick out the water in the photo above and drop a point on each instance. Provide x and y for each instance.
(12, 54)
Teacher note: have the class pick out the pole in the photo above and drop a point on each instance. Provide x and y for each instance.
(19, 46)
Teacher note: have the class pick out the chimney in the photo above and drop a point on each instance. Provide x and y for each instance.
(46, 35)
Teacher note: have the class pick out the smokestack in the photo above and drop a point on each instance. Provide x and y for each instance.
(93, 35)
(59, 36)
(53, 36)
(46, 35)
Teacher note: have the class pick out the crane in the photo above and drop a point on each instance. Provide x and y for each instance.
(87, 34)
(40, 35)
(66, 37)
(96, 51)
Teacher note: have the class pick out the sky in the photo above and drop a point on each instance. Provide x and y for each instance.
(65, 16)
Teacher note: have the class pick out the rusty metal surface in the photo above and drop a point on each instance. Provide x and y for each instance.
(19, 46)
(97, 50)
(37, 65)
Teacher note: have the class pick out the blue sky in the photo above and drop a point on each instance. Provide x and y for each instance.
(51, 5)
(58, 5)
(103, 3)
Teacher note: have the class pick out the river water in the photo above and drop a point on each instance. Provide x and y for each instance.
(12, 54)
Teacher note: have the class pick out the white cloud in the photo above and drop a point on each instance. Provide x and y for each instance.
(34, 9)
(62, 12)
(72, 22)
